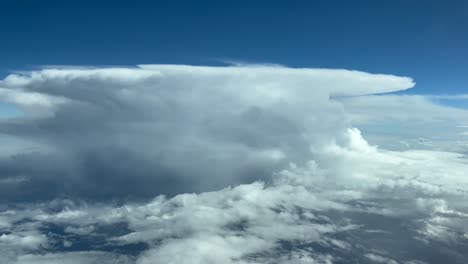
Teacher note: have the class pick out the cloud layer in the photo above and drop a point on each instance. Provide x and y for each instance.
(251, 164)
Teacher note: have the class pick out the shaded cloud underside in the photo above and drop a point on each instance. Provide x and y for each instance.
(132, 165)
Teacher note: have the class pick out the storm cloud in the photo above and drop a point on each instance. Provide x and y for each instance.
(249, 164)
(164, 129)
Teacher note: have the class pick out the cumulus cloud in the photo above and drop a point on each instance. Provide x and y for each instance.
(250, 164)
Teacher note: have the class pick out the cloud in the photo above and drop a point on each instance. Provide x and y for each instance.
(251, 164)
(172, 128)
(73, 258)
(450, 97)
(312, 214)
(408, 122)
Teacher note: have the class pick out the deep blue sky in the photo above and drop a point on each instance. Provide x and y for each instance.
(427, 40)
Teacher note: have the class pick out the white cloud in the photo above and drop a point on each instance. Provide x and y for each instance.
(23, 240)
(261, 165)
(390, 120)
(380, 259)
(175, 128)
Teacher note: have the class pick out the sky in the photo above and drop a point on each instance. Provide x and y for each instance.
(299, 132)
(423, 39)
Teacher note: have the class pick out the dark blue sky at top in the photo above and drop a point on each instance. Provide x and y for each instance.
(427, 40)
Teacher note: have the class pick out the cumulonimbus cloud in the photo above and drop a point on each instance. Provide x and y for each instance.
(259, 164)
(166, 129)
